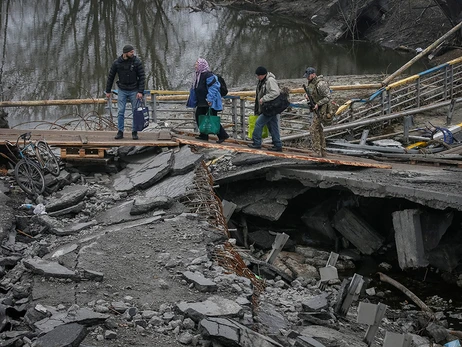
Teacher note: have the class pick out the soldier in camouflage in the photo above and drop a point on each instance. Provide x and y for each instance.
(319, 89)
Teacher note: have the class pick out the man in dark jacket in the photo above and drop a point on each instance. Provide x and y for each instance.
(267, 90)
(130, 85)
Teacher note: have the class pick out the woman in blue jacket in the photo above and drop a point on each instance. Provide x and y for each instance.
(207, 90)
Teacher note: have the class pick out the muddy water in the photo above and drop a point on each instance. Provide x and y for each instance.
(60, 50)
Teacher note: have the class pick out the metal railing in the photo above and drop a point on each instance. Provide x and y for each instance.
(441, 83)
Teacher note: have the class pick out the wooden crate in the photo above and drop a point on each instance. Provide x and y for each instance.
(82, 153)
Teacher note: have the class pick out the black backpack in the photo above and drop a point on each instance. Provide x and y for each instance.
(223, 87)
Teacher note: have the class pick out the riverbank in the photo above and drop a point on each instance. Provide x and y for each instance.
(392, 24)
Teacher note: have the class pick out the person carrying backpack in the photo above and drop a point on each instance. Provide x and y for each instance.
(322, 108)
(266, 91)
(206, 88)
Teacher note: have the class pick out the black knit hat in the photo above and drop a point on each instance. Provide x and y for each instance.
(127, 48)
(309, 71)
(260, 71)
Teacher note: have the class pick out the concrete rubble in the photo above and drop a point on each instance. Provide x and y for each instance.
(139, 263)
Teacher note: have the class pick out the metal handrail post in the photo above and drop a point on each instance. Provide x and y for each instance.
(234, 117)
(446, 76)
(109, 105)
(154, 111)
(418, 92)
(243, 127)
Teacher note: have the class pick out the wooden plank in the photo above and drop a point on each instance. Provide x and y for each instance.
(286, 155)
(91, 138)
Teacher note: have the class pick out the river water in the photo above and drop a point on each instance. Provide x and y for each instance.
(55, 49)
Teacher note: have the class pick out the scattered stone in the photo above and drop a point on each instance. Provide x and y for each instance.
(200, 282)
(215, 306)
(48, 268)
(63, 336)
(231, 333)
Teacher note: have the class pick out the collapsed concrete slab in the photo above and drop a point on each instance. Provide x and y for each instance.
(408, 239)
(144, 172)
(215, 306)
(446, 257)
(356, 230)
(82, 316)
(317, 220)
(172, 187)
(434, 226)
(185, 160)
(70, 196)
(431, 187)
(231, 333)
(48, 268)
(65, 335)
(331, 337)
(200, 282)
(264, 199)
(117, 214)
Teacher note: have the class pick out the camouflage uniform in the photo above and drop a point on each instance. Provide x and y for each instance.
(320, 90)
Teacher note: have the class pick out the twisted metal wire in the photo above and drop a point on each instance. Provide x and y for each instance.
(201, 199)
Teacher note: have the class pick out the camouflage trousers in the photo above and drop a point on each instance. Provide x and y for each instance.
(318, 141)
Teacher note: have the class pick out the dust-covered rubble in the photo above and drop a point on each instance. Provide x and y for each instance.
(109, 274)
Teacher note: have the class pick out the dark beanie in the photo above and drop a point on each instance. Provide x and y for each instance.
(127, 48)
(261, 71)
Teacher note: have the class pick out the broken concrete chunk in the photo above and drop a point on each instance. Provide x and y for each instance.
(317, 220)
(331, 337)
(144, 172)
(200, 282)
(408, 239)
(62, 336)
(446, 257)
(232, 333)
(74, 209)
(82, 316)
(215, 306)
(93, 275)
(69, 199)
(271, 319)
(144, 204)
(316, 303)
(268, 209)
(49, 268)
(434, 226)
(356, 230)
(173, 187)
(185, 161)
(306, 341)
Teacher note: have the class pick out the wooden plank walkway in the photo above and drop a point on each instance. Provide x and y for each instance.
(103, 139)
(288, 153)
(94, 139)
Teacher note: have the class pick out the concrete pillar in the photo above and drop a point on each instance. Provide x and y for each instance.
(408, 239)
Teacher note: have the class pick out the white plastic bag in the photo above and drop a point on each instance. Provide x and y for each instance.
(39, 209)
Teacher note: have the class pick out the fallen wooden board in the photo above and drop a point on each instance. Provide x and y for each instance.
(74, 138)
(286, 154)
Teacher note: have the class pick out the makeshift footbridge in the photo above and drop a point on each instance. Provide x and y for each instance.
(88, 141)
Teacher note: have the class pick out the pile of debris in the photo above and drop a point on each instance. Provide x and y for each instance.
(141, 257)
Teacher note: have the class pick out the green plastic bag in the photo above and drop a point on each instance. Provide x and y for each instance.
(252, 120)
(209, 124)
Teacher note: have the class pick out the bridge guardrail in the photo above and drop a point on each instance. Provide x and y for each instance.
(440, 83)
